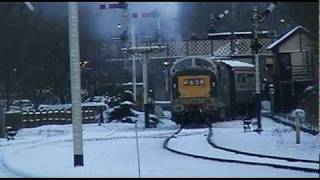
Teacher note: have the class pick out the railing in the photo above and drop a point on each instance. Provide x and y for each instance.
(287, 119)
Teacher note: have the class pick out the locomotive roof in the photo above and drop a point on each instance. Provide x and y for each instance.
(191, 62)
(234, 63)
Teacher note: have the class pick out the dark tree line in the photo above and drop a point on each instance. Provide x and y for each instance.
(34, 52)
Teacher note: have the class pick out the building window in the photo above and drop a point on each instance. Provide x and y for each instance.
(284, 67)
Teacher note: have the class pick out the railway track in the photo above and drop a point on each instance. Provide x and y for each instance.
(258, 157)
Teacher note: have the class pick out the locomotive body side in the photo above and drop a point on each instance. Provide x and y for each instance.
(237, 89)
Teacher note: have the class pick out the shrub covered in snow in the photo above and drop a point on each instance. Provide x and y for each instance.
(310, 104)
(153, 119)
(126, 96)
(121, 111)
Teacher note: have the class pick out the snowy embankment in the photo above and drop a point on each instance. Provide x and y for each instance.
(110, 151)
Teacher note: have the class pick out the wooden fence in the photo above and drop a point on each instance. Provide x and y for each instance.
(18, 120)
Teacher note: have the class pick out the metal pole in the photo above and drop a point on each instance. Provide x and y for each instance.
(145, 89)
(134, 76)
(167, 83)
(2, 120)
(75, 83)
(138, 153)
(257, 67)
(158, 29)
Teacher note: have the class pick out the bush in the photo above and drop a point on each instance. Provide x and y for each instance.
(127, 96)
(121, 111)
(310, 105)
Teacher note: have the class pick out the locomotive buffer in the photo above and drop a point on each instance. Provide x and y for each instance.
(146, 50)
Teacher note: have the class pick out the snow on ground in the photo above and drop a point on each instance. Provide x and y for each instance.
(205, 149)
(110, 151)
(276, 139)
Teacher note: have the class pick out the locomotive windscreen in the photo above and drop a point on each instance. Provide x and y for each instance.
(194, 86)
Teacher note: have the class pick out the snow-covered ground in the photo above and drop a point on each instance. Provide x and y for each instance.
(110, 151)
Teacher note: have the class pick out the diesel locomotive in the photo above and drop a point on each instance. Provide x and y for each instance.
(210, 89)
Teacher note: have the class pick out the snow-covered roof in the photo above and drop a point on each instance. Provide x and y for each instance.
(162, 102)
(236, 33)
(93, 104)
(130, 84)
(233, 63)
(250, 32)
(126, 103)
(128, 91)
(218, 34)
(286, 36)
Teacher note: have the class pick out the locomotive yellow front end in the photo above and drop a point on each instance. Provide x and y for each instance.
(194, 86)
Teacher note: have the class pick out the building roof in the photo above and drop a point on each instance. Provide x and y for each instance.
(236, 33)
(287, 35)
(233, 63)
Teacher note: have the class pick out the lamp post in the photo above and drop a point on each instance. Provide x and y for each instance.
(75, 83)
(166, 64)
(257, 19)
(134, 76)
(75, 80)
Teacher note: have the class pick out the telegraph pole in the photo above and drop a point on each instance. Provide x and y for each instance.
(146, 51)
(145, 89)
(75, 83)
